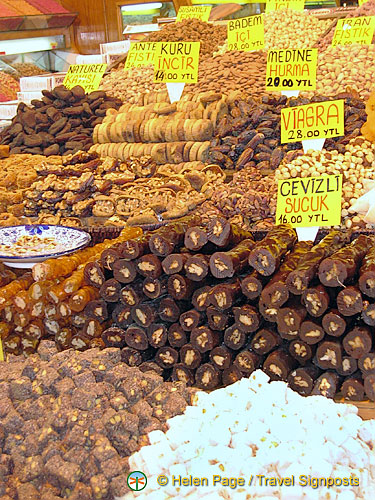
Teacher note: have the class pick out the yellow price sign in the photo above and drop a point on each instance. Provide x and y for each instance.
(356, 30)
(201, 12)
(309, 201)
(87, 76)
(291, 69)
(1, 350)
(319, 120)
(361, 2)
(272, 5)
(140, 54)
(176, 62)
(246, 33)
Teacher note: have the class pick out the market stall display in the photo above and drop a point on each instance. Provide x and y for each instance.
(196, 290)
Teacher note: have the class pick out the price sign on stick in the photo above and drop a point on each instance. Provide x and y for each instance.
(140, 54)
(356, 30)
(246, 33)
(176, 62)
(320, 120)
(87, 76)
(291, 69)
(201, 12)
(309, 201)
(284, 4)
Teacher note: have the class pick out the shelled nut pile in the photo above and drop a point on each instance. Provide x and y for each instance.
(223, 306)
(287, 28)
(127, 85)
(192, 30)
(232, 71)
(61, 122)
(169, 133)
(335, 75)
(266, 428)
(71, 419)
(355, 163)
(8, 87)
(250, 195)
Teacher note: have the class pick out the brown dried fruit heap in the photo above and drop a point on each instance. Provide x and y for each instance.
(61, 122)
(70, 420)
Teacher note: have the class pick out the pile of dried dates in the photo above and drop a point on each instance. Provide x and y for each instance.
(60, 123)
(250, 134)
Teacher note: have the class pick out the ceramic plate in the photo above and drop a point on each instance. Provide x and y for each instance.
(21, 246)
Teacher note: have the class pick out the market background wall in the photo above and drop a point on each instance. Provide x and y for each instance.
(99, 21)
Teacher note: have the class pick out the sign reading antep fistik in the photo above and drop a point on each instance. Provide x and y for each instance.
(140, 54)
(88, 76)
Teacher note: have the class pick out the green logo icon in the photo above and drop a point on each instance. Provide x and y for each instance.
(137, 481)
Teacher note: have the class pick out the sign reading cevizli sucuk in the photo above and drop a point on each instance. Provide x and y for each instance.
(284, 4)
(309, 201)
(356, 30)
(246, 34)
(201, 12)
(291, 69)
(140, 54)
(318, 120)
(176, 62)
(88, 76)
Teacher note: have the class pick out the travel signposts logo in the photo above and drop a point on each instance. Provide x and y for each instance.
(137, 481)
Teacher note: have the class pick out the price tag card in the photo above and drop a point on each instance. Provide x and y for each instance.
(319, 120)
(87, 76)
(291, 69)
(176, 62)
(309, 201)
(284, 4)
(140, 54)
(246, 33)
(356, 30)
(201, 12)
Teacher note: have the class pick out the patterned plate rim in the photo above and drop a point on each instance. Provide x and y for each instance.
(6, 258)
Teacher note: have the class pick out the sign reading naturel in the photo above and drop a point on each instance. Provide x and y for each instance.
(140, 54)
(246, 33)
(320, 120)
(291, 69)
(309, 201)
(87, 76)
(176, 62)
